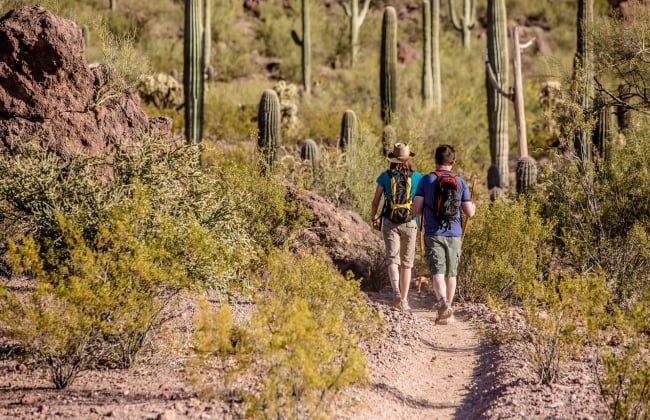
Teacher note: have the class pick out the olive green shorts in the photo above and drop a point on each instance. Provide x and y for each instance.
(442, 254)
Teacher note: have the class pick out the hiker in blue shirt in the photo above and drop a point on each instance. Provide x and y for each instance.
(397, 222)
(443, 231)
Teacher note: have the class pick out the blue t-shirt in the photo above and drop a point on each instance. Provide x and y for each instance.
(384, 180)
(426, 189)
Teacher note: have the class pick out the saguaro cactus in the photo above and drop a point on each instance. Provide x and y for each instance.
(305, 44)
(526, 176)
(497, 75)
(583, 75)
(466, 23)
(388, 66)
(427, 74)
(356, 20)
(268, 124)
(349, 131)
(113, 5)
(309, 151)
(388, 139)
(193, 64)
(435, 55)
(603, 131)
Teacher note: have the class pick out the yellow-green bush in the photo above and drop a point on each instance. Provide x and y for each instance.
(302, 346)
(624, 379)
(506, 244)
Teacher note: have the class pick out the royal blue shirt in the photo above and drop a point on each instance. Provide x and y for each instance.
(384, 180)
(432, 227)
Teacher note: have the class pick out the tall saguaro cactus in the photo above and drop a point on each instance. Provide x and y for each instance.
(388, 66)
(427, 70)
(583, 75)
(466, 23)
(435, 55)
(269, 129)
(193, 65)
(497, 104)
(305, 44)
(357, 17)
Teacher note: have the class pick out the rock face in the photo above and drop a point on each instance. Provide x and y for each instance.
(346, 238)
(48, 91)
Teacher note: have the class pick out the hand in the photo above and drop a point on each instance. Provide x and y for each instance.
(376, 223)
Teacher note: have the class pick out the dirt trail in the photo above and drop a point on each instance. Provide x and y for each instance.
(425, 370)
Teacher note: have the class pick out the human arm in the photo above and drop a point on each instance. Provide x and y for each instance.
(469, 208)
(379, 191)
(418, 205)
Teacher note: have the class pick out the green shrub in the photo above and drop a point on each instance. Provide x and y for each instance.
(625, 376)
(603, 215)
(507, 243)
(98, 299)
(302, 347)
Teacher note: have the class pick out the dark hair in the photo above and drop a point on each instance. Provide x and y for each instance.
(445, 155)
(403, 167)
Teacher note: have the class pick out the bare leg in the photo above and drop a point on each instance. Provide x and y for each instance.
(393, 275)
(439, 286)
(405, 282)
(451, 289)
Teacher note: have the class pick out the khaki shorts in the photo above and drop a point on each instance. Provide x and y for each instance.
(442, 254)
(400, 242)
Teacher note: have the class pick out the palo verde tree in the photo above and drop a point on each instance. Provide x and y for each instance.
(357, 17)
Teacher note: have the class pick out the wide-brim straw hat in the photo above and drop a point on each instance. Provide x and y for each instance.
(400, 153)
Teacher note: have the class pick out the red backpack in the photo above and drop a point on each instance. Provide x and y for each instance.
(446, 198)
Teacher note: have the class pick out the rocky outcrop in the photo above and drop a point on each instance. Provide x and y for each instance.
(346, 238)
(48, 91)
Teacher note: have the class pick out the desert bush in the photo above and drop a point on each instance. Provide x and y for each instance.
(555, 318)
(506, 244)
(97, 300)
(624, 378)
(603, 215)
(302, 346)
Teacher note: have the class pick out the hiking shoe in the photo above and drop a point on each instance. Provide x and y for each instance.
(405, 306)
(444, 311)
(397, 302)
(446, 321)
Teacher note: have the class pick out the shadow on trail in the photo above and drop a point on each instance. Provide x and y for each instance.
(396, 394)
(483, 389)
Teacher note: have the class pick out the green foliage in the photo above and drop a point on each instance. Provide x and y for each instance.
(302, 346)
(98, 299)
(124, 65)
(507, 243)
(625, 377)
(555, 319)
(603, 217)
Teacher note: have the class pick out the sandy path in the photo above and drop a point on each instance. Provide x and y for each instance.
(426, 371)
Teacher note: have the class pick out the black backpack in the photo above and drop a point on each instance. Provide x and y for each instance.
(398, 207)
(446, 198)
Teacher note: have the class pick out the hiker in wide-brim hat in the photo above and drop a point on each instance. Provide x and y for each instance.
(400, 153)
(396, 221)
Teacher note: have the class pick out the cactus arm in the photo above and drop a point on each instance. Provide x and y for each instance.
(454, 17)
(364, 11)
(296, 38)
(471, 14)
(346, 8)
(493, 79)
